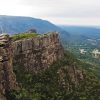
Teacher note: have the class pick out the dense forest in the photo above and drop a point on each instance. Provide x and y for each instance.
(48, 85)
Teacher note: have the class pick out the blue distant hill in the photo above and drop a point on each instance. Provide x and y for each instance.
(92, 32)
(17, 24)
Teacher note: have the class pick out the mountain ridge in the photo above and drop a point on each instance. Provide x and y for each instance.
(17, 24)
(89, 31)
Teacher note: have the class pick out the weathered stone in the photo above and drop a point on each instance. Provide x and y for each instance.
(1, 58)
(37, 53)
(7, 77)
(69, 75)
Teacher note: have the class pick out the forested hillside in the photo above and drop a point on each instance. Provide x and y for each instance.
(66, 79)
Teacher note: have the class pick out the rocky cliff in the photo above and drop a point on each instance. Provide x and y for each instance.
(33, 55)
(37, 53)
(7, 77)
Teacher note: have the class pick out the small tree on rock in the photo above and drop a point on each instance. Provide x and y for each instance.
(32, 31)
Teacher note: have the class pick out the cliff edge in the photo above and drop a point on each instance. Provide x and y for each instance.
(7, 76)
(37, 53)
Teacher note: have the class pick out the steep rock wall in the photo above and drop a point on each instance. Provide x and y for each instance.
(70, 76)
(37, 53)
(7, 77)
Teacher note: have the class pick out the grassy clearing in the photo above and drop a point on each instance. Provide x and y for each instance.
(23, 35)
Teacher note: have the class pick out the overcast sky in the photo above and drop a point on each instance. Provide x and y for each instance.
(72, 12)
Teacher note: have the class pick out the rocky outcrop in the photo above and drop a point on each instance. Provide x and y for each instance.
(70, 76)
(33, 55)
(7, 77)
(37, 53)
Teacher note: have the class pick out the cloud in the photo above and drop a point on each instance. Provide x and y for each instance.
(53, 9)
(76, 21)
(65, 8)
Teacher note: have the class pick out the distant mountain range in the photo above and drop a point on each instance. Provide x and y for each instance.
(17, 24)
(90, 32)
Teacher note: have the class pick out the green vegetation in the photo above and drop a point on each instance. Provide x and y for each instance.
(2, 43)
(23, 35)
(45, 85)
(93, 63)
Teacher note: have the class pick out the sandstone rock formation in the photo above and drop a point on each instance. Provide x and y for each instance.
(7, 77)
(37, 53)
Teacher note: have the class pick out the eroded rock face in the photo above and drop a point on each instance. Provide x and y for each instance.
(37, 53)
(7, 77)
(70, 76)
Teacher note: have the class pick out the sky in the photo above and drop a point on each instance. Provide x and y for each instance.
(64, 12)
